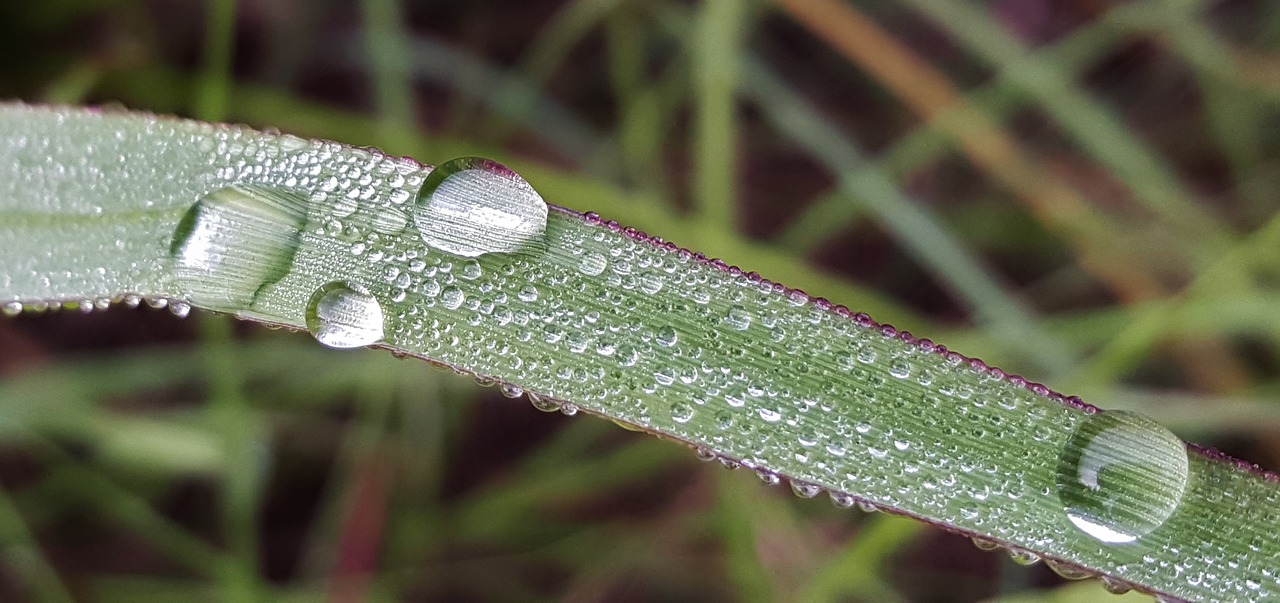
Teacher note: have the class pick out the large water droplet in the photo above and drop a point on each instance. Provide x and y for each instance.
(234, 242)
(341, 315)
(1121, 475)
(471, 206)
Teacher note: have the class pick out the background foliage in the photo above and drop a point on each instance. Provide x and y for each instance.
(1078, 191)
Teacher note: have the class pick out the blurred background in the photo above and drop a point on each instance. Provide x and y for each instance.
(1079, 191)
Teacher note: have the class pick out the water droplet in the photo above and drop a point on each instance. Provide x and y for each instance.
(471, 206)
(1115, 586)
(1070, 572)
(738, 318)
(985, 545)
(900, 368)
(452, 297)
(176, 308)
(13, 309)
(471, 270)
(511, 391)
(1023, 556)
(866, 355)
(544, 404)
(804, 489)
(1121, 475)
(842, 500)
(236, 241)
(667, 336)
(528, 293)
(681, 412)
(341, 315)
(769, 478)
(592, 264)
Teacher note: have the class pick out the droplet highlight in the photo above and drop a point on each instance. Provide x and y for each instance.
(1121, 475)
(341, 315)
(471, 206)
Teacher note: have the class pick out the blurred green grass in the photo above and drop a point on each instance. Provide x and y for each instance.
(1080, 192)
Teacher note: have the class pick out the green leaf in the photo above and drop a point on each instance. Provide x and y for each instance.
(468, 268)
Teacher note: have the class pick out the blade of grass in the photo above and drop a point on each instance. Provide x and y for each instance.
(1099, 131)
(388, 50)
(716, 38)
(23, 555)
(927, 411)
(929, 243)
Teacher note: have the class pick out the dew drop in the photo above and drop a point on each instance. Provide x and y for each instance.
(667, 337)
(12, 309)
(528, 293)
(471, 270)
(842, 500)
(1023, 556)
(341, 315)
(511, 391)
(738, 318)
(1121, 475)
(681, 412)
(804, 489)
(452, 297)
(234, 242)
(544, 404)
(1068, 571)
(592, 264)
(471, 206)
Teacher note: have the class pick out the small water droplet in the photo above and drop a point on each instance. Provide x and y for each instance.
(544, 404)
(452, 297)
(738, 318)
(667, 336)
(1070, 572)
(866, 355)
(341, 315)
(900, 368)
(1023, 556)
(471, 270)
(471, 206)
(1121, 475)
(805, 489)
(176, 308)
(12, 308)
(592, 264)
(1115, 586)
(984, 544)
(705, 454)
(769, 478)
(528, 293)
(236, 241)
(681, 412)
(842, 500)
(511, 391)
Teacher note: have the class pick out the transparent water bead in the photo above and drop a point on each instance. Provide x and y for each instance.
(471, 206)
(1121, 475)
(341, 315)
(234, 242)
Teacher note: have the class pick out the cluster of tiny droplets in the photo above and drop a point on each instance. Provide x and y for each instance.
(753, 374)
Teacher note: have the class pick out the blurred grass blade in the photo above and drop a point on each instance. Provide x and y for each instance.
(360, 248)
(948, 259)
